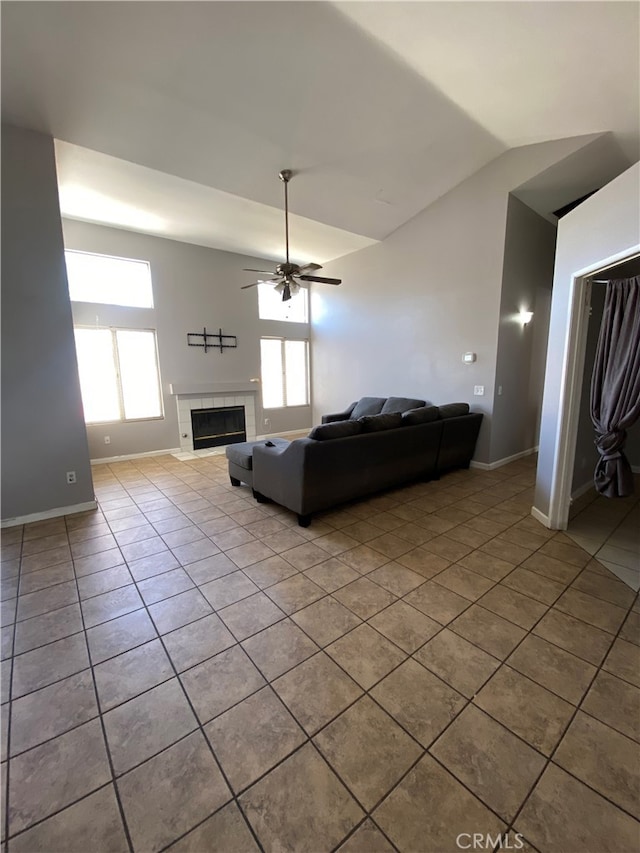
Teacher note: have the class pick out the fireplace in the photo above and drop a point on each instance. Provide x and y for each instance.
(214, 427)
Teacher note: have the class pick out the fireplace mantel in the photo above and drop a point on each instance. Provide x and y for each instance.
(177, 388)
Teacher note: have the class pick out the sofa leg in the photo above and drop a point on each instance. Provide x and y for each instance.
(234, 481)
(304, 520)
(260, 497)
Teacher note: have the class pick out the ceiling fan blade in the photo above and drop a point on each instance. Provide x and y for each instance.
(245, 286)
(308, 268)
(321, 279)
(269, 272)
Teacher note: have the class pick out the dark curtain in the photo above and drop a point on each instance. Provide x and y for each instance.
(615, 385)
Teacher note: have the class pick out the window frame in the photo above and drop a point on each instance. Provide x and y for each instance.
(150, 307)
(116, 361)
(283, 373)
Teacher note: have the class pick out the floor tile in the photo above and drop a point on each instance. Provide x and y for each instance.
(193, 551)
(492, 762)
(44, 665)
(179, 610)
(364, 559)
(252, 737)
(458, 662)
(119, 635)
(423, 704)
(534, 585)
(279, 648)
(396, 578)
(220, 682)
(33, 581)
(487, 565)
(301, 799)
(46, 600)
(364, 598)
(247, 555)
(512, 605)
(110, 605)
(316, 691)
(164, 586)
(607, 588)
(368, 750)
(270, 571)
(366, 655)
(228, 589)
(52, 710)
(437, 602)
(562, 814)
(604, 759)
(530, 711)
(93, 823)
(105, 581)
(551, 568)
(592, 610)
(491, 632)
(325, 620)
(131, 673)
(294, 593)
(559, 671)
(46, 628)
(624, 661)
(452, 811)
(631, 628)
(250, 615)
(56, 773)
(197, 641)
(366, 839)
(171, 793)
(448, 548)
(405, 626)
(143, 726)
(225, 831)
(45, 559)
(148, 567)
(574, 635)
(616, 703)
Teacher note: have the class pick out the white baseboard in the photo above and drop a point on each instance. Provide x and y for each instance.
(541, 517)
(105, 460)
(49, 513)
(635, 469)
(491, 466)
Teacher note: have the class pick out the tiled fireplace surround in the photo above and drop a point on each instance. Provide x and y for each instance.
(212, 398)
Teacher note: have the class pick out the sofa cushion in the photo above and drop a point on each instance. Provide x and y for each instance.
(453, 410)
(338, 429)
(400, 404)
(423, 415)
(377, 423)
(367, 406)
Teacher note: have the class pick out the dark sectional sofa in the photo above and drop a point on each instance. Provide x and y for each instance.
(353, 454)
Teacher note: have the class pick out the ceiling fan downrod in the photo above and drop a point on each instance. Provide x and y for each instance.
(285, 176)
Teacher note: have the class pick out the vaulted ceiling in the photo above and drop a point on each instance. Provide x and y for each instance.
(174, 118)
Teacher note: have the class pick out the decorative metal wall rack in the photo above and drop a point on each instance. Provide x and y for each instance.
(208, 337)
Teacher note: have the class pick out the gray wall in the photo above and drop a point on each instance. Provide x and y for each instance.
(526, 285)
(410, 306)
(43, 432)
(193, 286)
(604, 227)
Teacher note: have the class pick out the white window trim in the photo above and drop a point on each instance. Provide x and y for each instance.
(283, 341)
(116, 360)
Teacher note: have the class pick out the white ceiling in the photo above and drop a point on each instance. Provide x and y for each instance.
(189, 110)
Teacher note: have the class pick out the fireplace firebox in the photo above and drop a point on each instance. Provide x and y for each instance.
(215, 427)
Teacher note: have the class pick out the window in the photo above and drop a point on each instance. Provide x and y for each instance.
(119, 376)
(285, 372)
(110, 281)
(271, 306)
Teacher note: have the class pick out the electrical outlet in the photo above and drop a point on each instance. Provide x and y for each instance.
(71, 478)
(478, 390)
(107, 439)
(499, 390)
(267, 422)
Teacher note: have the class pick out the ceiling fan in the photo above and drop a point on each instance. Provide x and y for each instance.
(288, 276)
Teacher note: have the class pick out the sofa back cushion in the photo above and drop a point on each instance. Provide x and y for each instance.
(377, 423)
(368, 406)
(338, 429)
(423, 415)
(453, 410)
(400, 404)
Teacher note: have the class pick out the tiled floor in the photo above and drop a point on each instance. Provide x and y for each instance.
(610, 531)
(190, 670)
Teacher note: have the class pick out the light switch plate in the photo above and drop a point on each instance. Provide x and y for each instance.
(478, 390)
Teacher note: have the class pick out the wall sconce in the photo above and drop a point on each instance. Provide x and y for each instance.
(525, 317)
